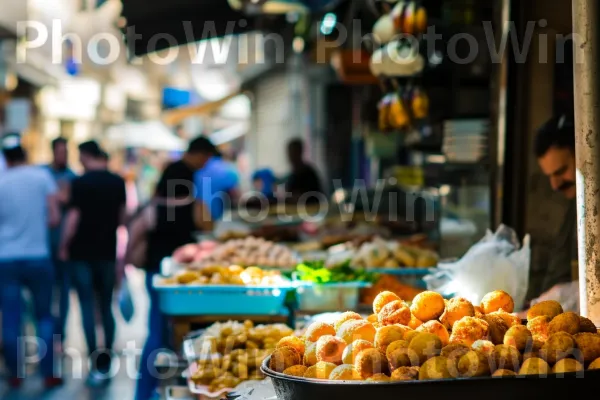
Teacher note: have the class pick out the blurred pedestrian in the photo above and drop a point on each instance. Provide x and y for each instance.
(159, 229)
(63, 175)
(28, 205)
(303, 178)
(264, 181)
(216, 182)
(89, 243)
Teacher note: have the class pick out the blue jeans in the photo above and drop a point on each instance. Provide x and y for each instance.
(34, 275)
(61, 296)
(157, 339)
(94, 283)
(61, 286)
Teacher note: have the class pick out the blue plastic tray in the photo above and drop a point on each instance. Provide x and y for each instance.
(184, 300)
(402, 271)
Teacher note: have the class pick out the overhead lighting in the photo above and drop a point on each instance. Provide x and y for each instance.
(328, 24)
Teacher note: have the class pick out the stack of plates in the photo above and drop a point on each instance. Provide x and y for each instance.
(465, 141)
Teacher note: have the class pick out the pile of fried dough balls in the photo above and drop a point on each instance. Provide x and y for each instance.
(438, 339)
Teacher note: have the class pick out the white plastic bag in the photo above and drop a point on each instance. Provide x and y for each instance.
(497, 262)
(126, 301)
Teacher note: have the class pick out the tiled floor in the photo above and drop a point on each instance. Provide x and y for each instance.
(123, 385)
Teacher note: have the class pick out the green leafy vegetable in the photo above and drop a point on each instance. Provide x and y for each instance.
(317, 272)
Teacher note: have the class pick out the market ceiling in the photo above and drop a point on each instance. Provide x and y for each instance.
(159, 24)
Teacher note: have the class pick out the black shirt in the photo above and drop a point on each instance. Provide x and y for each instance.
(303, 180)
(100, 197)
(174, 225)
(178, 178)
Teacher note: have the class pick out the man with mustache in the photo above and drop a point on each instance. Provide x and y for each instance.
(555, 152)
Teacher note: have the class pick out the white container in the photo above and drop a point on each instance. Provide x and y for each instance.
(330, 297)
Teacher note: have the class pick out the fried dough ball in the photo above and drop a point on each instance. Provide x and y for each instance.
(454, 351)
(478, 312)
(357, 330)
(595, 364)
(294, 342)
(469, 330)
(549, 308)
(557, 347)
(565, 322)
(397, 345)
(497, 300)
(321, 370)
(437, 329)
(586, 325)
(402, 357)
(405, 374)
(503, 372)
(344, 373)
(370, 362)
(457, 309)
(567, 365)
(425, 346)
(539, 327)
(330, 349)
(497, 328)
(414, 322)
(537, 345)
(318, 329)
(352, 350)
(383, 299)
(396, 312)
(589, 345)
(509, 319)
(296, 370)
(474, 364)
(389, 334)
(410, 335)
(435, 368)
(373, 318)
(534, 366)
(484, 346)
(530, 354)
(519, 337)
(427, 306)
(284, 358)
(379, 378)
(344, 317)
(506, 357)
(310, 355)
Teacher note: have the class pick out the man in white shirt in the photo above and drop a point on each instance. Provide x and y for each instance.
(28, 205)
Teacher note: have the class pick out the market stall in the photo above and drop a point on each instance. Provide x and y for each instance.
(374, 315)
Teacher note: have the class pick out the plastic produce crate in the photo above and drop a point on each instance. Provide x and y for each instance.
(185, 300)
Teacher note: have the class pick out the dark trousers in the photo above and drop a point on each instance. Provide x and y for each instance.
(94, 282)
(36, 276)
(156, 341)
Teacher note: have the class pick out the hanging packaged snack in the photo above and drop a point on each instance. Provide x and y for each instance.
(419, 104)
(399, 116)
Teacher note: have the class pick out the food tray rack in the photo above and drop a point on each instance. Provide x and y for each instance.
(513, 388)
(186, 300)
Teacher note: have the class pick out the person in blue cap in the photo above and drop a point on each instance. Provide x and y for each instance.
(264, 181)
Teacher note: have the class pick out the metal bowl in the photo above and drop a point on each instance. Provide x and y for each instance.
(506, 388)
